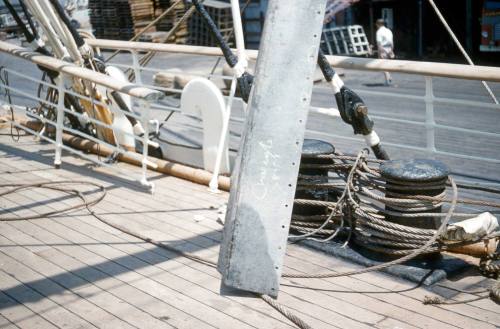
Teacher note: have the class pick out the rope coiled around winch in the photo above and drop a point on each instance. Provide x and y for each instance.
(369, 205)
(364, 187)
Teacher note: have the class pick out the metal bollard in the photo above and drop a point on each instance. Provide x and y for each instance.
(310, 149)
(406, 178)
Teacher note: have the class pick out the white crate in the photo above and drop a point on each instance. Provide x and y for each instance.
(345, 40)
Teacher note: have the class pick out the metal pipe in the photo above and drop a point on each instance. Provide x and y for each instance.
(446, 70)
(80, 72)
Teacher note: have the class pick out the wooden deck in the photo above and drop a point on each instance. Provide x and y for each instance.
(72, 271)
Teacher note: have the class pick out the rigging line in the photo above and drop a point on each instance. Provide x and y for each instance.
(460, 47)
(29, 19)
(228, 37)
(27, 34)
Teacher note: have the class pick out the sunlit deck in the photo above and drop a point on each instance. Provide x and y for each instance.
(72, 271)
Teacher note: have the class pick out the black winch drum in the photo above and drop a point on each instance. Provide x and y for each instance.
(311, 148)
(415, 177)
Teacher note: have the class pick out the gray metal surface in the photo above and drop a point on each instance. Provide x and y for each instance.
(414, 170)
(262, 193)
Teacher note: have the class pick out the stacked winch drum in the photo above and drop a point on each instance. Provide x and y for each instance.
(313, 170)
(408, 225)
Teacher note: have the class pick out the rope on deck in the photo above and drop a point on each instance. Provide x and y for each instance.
(349, 197)
(87, 204)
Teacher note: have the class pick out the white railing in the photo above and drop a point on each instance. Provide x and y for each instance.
(426, 69)
(142, 99)
(430, 125)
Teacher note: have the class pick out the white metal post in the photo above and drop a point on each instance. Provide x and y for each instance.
(137, 68)
(238, 33)
(60, 119)
(145, 107)
(214, 182)
(242, 65)
(430, 123)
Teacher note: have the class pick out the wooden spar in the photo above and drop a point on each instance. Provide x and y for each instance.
(194, 175)
(458, 71)
(479, 249)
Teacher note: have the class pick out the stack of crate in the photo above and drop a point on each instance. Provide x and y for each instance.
(111, 19)
(181, 35)
(200, 35)
(168, 22)
(142, 12)
(171, 19)
(120, 19)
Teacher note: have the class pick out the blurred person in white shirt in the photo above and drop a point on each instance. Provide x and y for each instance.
(385, 46)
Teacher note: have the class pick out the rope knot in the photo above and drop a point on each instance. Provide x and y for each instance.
(429, 300)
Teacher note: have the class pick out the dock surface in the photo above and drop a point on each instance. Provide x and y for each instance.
(73, 271)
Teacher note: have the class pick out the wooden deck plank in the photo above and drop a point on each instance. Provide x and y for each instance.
(35, 300)
(94, 294)
(6, 324)
(55, 287)
(128, 267)
(63, 221)
(411, 302)
(215, 283)
(183, 318)
(349, 309)
(191, 290)
(352, 313)
(191, 270)
(377, 280)
(240, 314)
(382, 306)
(323, 324)
(389, 323)
(21, 315)
(77, 240)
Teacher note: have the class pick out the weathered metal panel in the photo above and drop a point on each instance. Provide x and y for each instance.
(263, 184)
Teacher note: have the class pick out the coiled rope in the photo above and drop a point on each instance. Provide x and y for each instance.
(366, 215)
(362, 190)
